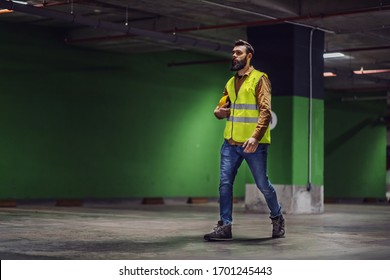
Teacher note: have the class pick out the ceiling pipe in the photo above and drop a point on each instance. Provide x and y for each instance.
(285, 20)
(82, 20)
(361, 49)
(365, 98)
(357, 89)
(173, 38)
(197, 62)
(263, 15)
(350, 75)
(247, 23)
(54, 4)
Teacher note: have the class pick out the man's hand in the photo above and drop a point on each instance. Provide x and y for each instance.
(250, 145)
(223, 111)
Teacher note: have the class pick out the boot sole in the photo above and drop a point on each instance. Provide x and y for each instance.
(218, 239)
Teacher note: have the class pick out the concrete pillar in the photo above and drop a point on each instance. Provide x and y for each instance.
(292, 56)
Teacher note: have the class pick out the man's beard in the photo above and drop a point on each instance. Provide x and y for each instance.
(238, 64)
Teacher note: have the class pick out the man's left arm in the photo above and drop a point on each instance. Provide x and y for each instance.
(263, 96)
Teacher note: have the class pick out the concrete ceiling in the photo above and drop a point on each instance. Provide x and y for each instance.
(360, 29)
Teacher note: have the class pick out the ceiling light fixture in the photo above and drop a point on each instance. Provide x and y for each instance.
(329, 74)
(372, 71)
(19, 2)
(264, 15)
(333, 55)
(5, 11)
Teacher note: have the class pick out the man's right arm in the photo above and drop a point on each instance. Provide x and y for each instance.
(222, 111)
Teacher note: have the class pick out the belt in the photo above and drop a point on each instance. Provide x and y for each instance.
(232, 142)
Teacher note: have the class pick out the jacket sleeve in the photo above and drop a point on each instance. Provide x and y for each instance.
(263, 95)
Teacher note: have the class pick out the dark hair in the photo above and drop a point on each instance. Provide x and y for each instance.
(249, 48)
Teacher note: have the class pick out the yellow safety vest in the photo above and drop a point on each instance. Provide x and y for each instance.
(244, 111)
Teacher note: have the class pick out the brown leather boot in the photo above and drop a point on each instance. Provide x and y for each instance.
(278, 227)
(220, 233)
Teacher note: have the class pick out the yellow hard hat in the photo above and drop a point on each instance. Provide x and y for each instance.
(223, 100)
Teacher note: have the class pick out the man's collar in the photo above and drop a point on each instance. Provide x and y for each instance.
(250, 69)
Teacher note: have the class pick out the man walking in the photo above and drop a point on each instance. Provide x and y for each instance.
(246, 106)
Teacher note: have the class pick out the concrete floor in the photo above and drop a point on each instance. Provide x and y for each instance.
(175, 231)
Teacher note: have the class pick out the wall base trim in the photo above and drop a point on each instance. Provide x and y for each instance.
(293, 199)
(7, 203)
(69, 203)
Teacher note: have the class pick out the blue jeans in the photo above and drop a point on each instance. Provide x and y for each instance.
(231, 159)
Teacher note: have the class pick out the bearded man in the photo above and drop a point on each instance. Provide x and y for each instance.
(246, 107)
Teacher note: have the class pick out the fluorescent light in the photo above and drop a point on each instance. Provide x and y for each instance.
(372, 71)
(20, 2)
(329, 74)
(333, 55)
(5, 11)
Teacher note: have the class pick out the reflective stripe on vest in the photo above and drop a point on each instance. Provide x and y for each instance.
(243, 119)
(244, 111)
(247, 106)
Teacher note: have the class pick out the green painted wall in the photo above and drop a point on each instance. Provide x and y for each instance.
(81, 123)
(288, 153)
(355, 146)
(78, 123)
